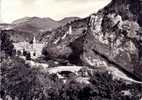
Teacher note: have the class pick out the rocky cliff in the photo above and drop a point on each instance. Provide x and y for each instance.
(110, 37)
(114, 34)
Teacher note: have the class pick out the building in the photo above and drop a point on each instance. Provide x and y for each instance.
(34, 48)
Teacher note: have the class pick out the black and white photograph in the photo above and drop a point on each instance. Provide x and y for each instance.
(70, 49)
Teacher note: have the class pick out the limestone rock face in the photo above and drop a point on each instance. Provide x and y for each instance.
(111, 37)
(114, 34)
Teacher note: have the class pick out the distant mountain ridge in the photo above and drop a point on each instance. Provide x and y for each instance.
(35, 26)
(40, 24)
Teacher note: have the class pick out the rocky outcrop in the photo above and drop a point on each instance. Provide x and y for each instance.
(111, 37)
(114, 33)
(62, 38)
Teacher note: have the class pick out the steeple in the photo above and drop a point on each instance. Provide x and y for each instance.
(34, 43)
(25, 45)
(34, 46)
(34, 40)
(70, 30)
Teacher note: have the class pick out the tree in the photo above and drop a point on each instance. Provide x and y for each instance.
(6, 43)
(24, 52)
(19, 53)
(108, 88)
(19, 79)
(28, 56)
(58, 52)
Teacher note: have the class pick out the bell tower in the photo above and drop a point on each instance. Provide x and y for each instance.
(34, 46)
(34, 40)
(70, 30)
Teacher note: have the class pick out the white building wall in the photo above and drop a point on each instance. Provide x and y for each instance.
(31, 48)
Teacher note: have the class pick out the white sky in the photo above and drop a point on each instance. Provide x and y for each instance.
(56, 9)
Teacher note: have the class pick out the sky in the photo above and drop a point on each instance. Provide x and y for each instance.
(11, 10)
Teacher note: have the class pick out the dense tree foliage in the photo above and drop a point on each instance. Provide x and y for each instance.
(20, 80)
(17, 78)
(6, 43)
(111, 89)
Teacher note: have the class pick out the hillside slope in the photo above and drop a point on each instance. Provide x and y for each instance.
(33, 26)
